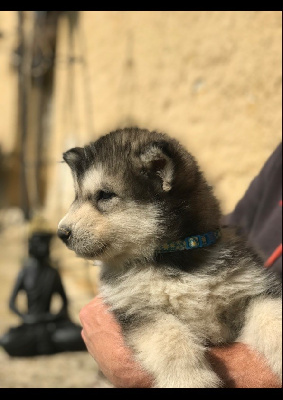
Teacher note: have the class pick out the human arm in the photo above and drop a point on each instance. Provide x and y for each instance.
(241, 367)
(238, 366)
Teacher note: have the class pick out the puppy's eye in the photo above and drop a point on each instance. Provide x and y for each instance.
(103, 195)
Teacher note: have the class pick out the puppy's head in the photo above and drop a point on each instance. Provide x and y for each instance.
(134, 190)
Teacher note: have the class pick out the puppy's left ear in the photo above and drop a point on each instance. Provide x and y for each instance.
(74, 157)
(157, 161)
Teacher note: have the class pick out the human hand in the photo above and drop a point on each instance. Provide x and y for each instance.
(104, 341)
(236, 364)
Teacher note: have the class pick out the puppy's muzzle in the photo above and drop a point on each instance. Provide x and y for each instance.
(64, 233)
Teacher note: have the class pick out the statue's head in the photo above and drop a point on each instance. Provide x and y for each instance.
(40, 235)
(39, 244)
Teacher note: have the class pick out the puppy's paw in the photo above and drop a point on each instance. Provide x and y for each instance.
(190, 379)
(205, 379)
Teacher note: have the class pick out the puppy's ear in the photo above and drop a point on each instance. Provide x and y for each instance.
(156, 161)
(74, 158)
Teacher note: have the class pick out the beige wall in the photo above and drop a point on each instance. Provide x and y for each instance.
(211, 79)
(8, 80)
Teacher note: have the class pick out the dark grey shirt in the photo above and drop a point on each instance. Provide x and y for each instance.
(259, 213)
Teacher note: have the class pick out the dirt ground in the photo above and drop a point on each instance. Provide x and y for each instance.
(62, 370)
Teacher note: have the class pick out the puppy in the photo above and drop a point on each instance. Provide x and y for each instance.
(176, 281)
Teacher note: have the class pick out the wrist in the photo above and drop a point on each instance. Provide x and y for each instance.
(241, 367)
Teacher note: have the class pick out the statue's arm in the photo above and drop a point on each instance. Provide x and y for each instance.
(59, 289)
(17, 288)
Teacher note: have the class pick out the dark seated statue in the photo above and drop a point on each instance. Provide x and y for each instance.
(42, 331)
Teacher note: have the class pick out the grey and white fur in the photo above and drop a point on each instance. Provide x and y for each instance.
(134, 191)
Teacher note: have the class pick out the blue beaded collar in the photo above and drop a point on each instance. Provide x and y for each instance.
(190, 242)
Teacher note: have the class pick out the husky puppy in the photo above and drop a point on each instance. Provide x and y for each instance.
(175, 279)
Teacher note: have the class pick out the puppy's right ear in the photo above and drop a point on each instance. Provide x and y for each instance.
(158, 162)
(74, 158)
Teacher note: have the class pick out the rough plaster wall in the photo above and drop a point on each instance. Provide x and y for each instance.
(8, 80)
(211, 79)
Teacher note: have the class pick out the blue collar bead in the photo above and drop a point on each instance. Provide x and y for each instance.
(190, 242)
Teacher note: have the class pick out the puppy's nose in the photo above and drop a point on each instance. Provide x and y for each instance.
(64, 233)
